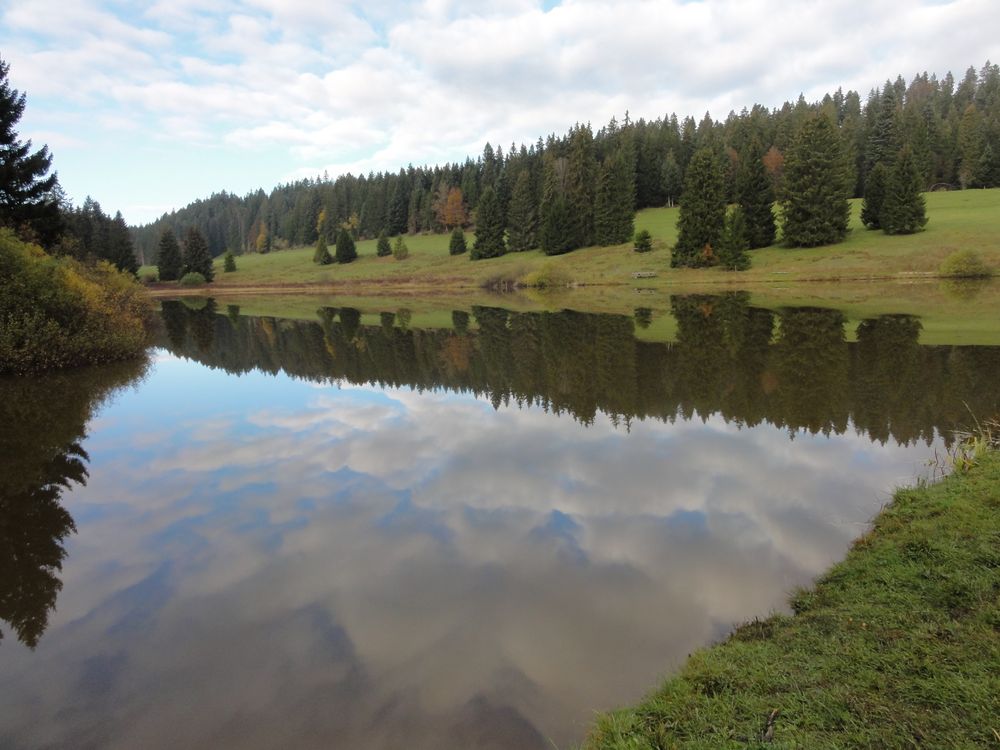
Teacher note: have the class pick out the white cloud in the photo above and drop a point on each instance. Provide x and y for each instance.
(341, 86)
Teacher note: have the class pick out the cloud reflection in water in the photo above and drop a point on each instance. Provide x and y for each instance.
(295, 566)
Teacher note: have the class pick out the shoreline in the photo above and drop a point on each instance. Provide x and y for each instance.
(897, 645)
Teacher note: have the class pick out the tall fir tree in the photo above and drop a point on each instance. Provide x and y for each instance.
(755, 196)
(522, 217)
(197, 258)
(229, 265)
(321, 255)
(554, 231)
(29, 195)
(733, 244)
(382, 248)
(703, 210)
(456, 245)
(169, 263)
(904, 211)
(814, 206)
(883, 143)
(871, 206)
(120, 250)
(489, 228)
(614, 207)
(581, 177)
(346, 251)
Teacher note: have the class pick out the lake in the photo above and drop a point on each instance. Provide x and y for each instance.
(358, 532)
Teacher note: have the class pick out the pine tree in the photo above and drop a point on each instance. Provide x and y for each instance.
(903, 211)
(883, 144)
(197, 258)
(346, 251)
(489, 228)
(614, 206)
(168, 260)
(643, 241)
(229, 264)
(29, 196)
(399, 249)
(581, 174)
(871, 206)
(120, 249)
(703, 211)
(522, 216)
(382, 248)
(755, 196)
(987, 172)
(456, 245)
(733, 244)
(815, 208)
(321, 255)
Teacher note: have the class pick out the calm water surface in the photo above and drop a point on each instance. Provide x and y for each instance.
(355, 533)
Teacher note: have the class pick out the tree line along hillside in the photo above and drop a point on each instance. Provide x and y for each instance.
(583, 187)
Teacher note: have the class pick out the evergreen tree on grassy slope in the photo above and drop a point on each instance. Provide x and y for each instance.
(489, 228)
(755, 196)
(871, 206)
(522, 216)
(903, 211)
(120, 250)
(815, 208)
(168, 259)
(346, 251)
(197, 258)
(703, 210)
(456, 245)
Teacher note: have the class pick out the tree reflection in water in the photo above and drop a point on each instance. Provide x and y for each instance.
(39, 461)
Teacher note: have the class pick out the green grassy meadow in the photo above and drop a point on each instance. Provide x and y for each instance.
(958, 220)
(898, 646)
(867, 275)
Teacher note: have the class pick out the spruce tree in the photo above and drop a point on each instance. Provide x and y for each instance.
(522, 216)
(614, 206)
(703, 210)
(755, 196)
(399, 249)
(903, 211)
(197, 258)
(489, 228)
(733, 244)
(322, 255)
(871, 206)
(883, 143)
(814, 206)
(643, 241)
(120, 249)
(229, 265)
(346, 251)
(29, 196)
(168, 260)
(383, 249)
(457, 246)
(581, 177)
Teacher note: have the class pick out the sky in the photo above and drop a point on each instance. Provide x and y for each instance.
(148, 105)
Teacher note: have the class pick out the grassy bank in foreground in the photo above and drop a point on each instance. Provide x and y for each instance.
(898, 646)
(968, 219)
